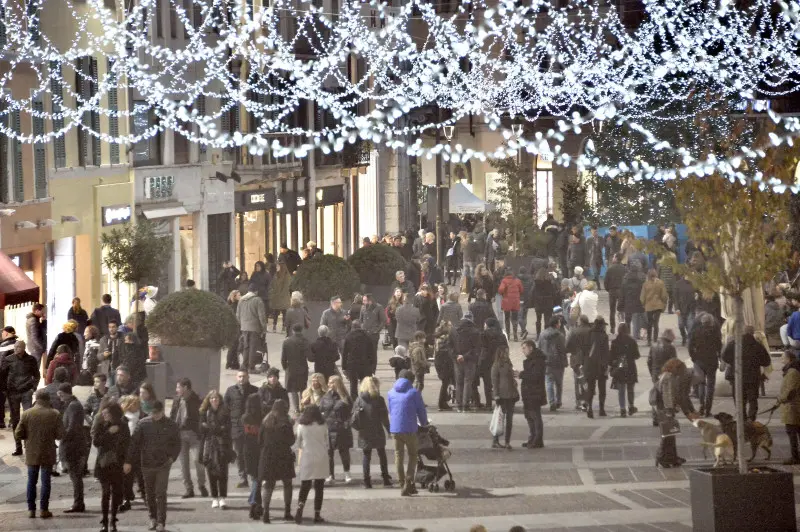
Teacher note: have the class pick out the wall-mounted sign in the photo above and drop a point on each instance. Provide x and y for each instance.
(159, 187)
(330, 195)
(119, 214)
(255, 200)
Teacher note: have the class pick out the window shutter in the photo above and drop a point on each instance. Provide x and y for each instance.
(39, 152)
(201, 110)
(82, 88)
(113, 107)
(2, 25)
(19, 182)
(4, 189)
(95, 116)
(33, 20)
(225, 127)
(57, 96)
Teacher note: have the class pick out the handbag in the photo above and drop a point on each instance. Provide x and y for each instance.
(498, 422)
(574, 311)
(669, 426)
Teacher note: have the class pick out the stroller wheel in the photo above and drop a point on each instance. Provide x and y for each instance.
(436, 488)
(449, 485)
(431, 487)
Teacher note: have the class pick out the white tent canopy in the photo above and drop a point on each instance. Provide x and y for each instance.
(462, 201)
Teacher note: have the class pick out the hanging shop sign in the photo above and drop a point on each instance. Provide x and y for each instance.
(115, 215)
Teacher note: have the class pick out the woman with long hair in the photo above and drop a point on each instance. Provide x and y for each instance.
(672, 394)
(506, 393)
(130, 405)
(215, 446)
(79, 314)
(251, 425)
(482, 280)
(371, 420)
(624, 376)
(111, 437)
(276, 461)
(312, 448)
(66, 338)
(279, 295)
(147, 396)
(391, 313)
(441, 295)
(297, 313)
(314, 393)
(232, 361)
(261, 279)
(336, 407)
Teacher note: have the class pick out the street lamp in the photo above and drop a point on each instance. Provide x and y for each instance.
(448, 133)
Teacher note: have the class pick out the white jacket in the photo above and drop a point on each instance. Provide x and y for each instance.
(588, 303)
(312, 447)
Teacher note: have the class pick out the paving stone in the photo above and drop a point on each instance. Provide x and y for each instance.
(664, 498)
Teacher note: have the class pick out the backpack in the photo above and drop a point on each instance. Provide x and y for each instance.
(359, 420)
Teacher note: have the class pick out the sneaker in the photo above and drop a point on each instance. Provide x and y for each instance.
(222, 504)
(161, 528)
(214, 503)
(203, 491)
(347, 478)
(632, 410)
(153, 525)
(330, 480)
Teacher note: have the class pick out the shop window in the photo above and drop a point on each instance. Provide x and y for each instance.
(39, 151)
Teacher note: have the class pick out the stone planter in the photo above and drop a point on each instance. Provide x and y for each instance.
(725, 501)
(381, 293)
(199, 364)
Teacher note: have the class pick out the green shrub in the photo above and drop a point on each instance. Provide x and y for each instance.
(193, 318)
(376, 265)
(323, 277)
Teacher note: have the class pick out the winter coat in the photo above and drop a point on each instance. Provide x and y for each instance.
(532, 375)
(20, 374)
(118, 391)
(279, 290)
(467, 340)
(337, 415)
(594, 250)
(373, 318)
(419, 358)
(452, 312)
(512, 291)
(67, 339)
(226, 281)
(673, 392)
(296, 315)
(492, 339)
(632, 292)
(527, 285)
(336, 323)
(504, 385)
(276, 459)
(666, 274)
(90, 360)
(102, 315)
(407, 316)
(789, 396)
(407, 287)
(613, 279)
(40, 427)
(485, 282)
(544, 296)
(74, 442)
(92, 405)
(576, 252)
(613, 245)
(405, 408)
(654, 295)
(685, 301)
(588, 300)
(553, 344)
(271, 394)
(114, 345)
(215, 440)
(444, 357)
(324, 355)
(754, 357)
(355, 313)
(82, 317)
(662, 351)
(62, 360)
(292, 260)
(312, 451)
(596, 364)
(191, 420)
(134, 356)
(112, 449)
(429, 313)
(371, 420)
(250, 447)
(235, 401)
(154, 444)
(579, 343)
(705, 345)
(294, 361)
(624, 354)
(358, 354)
(481, 311)
(474, 247)
(252, 313)
(262, 281)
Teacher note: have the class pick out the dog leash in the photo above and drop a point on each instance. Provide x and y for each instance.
(771, 411)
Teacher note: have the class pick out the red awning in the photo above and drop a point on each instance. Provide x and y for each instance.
(15, 287)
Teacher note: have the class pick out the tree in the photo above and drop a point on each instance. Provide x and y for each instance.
(623, 200)
(574, 205)
(135, 253)
(516, 198)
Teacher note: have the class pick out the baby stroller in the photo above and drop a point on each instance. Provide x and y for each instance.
(433, 447)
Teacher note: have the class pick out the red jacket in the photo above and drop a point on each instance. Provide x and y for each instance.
(65, 360)
(511, 290)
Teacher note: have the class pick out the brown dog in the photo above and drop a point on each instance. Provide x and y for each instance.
(754, 432)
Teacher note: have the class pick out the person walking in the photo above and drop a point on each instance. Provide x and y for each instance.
(111, 437)
(672, 394)
(654, 299)
(78, 314)
(373, 319)
(587, 301)
(576, 250)
(525, 303)
(232, 360)
(624, 375)
(276, 459)
(252, 315)
(685, 305)
(324, 354)
(534, 368)
(131, 409)
(579, 343)
(632, 285)
(154, 446)
(124, 385)
(133, 355)
(251, 428)
(67, 339)
(336, 407)
(407, 316)
(755, 357)
(543, 296)
(506, 394)
(271, 390)
(466, 339)
(109, 351)
(235, 400)
(63, 359)
(8, 337)
(594, 254)
(614, 276)
(312, 450)
(371, 418)
(595, 367)
(105, 314)
(294, 354)
(789, 399)
(279, 295)
(705, 346)
(406, 409)
(451, 311)
(553, 344)
(444, 362)
(39, 427)
(20, 373)
(492, 339)
(359, 358)
(337, 321)
(297, 313)
(261, 278)
(391, 314)
(511, 290)
(418, 353)
(185, 413)
(215, 446)
(659, 354)
(73, 445)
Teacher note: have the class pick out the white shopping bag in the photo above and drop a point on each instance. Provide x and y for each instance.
(498, 423)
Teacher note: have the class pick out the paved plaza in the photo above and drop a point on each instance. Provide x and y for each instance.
(593, 475)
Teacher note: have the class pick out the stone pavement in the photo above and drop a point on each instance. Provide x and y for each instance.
(592, 475)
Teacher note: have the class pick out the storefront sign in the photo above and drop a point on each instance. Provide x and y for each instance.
(116, 215)
(255, 200)
(159, 187)
(330, 195)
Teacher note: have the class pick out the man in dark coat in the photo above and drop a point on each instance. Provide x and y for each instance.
(579, 343)
(324, 353)
(576, 250)
(594, 253)
(104, 314)
(20, 372)
(402, 283)
(533, 392)
(271, 390)
(686, 305)
(185, 413)
(73, 444)
(235, 399)
(294, 361)
(614, 276)
(9, 338)
(705, 346)
(595, 366)
(481, 309)
(358, 356)
(631, 298)
(372, 318)
(226, 281)
(613, 242)
(754, 357)
(467, 349)
(290, 257)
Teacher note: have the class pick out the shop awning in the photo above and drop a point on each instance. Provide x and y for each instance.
(164, 212)
(15, 287)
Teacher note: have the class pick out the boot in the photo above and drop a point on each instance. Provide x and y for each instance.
(589, 413)
(318, 518)
(104, 525)
(632, 410)
(113, 524)
(367, 483)
(387, 481)
(602, 412)
(496, 443)
(287, 513)
(298, 517)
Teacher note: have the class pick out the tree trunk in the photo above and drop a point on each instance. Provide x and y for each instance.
(136, 314)
(738, 385)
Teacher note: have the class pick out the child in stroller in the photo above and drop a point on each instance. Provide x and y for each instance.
(433, 447)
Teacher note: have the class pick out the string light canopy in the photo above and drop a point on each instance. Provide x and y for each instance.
(368, 65)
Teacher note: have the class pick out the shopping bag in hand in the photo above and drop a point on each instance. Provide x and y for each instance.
(498, 423)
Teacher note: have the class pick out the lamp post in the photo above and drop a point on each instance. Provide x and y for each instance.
(448, 133)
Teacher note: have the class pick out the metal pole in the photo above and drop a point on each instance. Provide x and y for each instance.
(738, 385)
(438, 201)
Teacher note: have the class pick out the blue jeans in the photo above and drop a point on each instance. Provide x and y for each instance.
(523, 317)
(623, 388)
(533, 415)
(33, 477)
(554, 380)
(685, 321)
(254, 495)
(636, 321)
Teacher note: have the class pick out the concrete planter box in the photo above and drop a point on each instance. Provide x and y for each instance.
(725, 501)
(157, 376)
(200, 364)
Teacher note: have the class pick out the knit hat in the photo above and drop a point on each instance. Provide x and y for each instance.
(469, 316)
(273, 371)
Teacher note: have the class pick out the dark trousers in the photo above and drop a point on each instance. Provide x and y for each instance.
(275, 314)
(269, 487)
(794, 440)
(485, 374)
(127, 483)
(319, 493)
(542, 316)
(507, 406)
(232, 360)
(580, 387)
(34, 471)
(750, 391)
(596, 273)
(344, 454)
(18, 402)
(76, 477)
(155, 489)
(252, 344)
(523, 317)
(444, 396)
(705, 390)
(111, 487)
(238, 446)
(685, 320)
(2, 409)
(367, 460)
(613, 303)
(465, 374)
(511, 321)
(591, 385)
(218, 483)
(668, 451)
(355, 379)
(533, 415)
(653, 316)
(626, 391)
